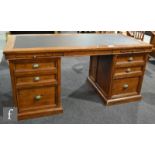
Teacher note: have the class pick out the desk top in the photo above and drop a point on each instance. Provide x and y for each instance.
(81, 40)
(71, 42)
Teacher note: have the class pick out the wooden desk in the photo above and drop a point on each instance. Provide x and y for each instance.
(117, 66)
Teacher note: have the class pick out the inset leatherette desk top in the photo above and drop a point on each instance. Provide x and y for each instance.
(72, 44)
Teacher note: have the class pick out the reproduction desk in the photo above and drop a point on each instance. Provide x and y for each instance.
(117, 65)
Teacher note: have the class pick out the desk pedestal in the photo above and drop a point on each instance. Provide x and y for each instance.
(118, 78)
(36, 86)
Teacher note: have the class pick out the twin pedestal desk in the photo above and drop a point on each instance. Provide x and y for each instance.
(117, 66)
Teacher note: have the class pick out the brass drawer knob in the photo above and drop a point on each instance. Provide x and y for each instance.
(38, 97)
(36, 78)
(125, 86)
(130, 59)
(35, 65)
(128, 70)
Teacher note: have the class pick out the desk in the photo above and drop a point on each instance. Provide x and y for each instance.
(117, 65)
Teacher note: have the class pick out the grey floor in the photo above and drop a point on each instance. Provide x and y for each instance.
(80, 101)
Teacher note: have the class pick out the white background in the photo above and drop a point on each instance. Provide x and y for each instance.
(77, 15)
(70, 15)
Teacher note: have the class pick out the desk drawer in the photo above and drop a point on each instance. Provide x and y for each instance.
(130, 57)
(130, 60)
(128, 72)
(125, 87)
(35, 79)
(33, 65)
(36, 98)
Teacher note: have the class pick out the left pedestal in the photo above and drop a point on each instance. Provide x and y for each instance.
(36, 86)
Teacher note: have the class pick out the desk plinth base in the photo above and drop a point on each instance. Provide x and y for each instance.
(40, 113)
(120, 100)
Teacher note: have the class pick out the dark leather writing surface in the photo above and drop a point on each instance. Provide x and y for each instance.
(77, 40)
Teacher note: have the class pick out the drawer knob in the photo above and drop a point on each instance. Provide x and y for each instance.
(35, 65)
(125, 86)
(130, 59)
(128, 70)
(38, 97)
(36, 78)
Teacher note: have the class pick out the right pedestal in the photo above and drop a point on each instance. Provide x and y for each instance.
(118, 78)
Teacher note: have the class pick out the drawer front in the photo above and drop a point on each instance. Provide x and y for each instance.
(125, 87)
(33, 65)
(130, 58)
(128, 71)
(35, 79)
(36, 98)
